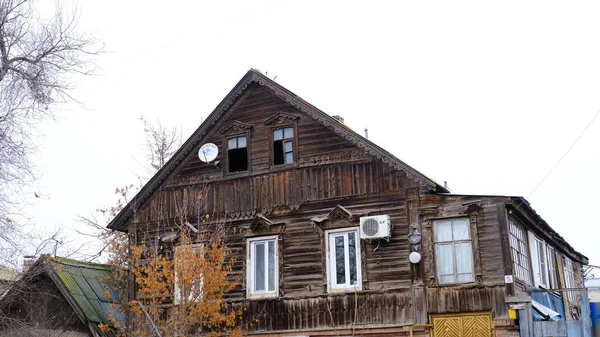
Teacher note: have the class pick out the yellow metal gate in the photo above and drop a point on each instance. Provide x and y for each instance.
(472, 324)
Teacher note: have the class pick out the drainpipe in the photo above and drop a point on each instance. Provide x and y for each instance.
(419, 325)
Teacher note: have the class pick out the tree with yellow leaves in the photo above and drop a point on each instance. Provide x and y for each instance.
(176, 275)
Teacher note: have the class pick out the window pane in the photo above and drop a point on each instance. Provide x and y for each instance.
(443, 231)
(288, 133)
(461, 229)
(241, 141)
(447, 279)
(289, 146)
(289, 158)
(278, 155)
(352, 258)
(232, 143)
(340, 261)
(464, 258)
(278, 134)
(445, 263)
(271, 265)
(259, 263)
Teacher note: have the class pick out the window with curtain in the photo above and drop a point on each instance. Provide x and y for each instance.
(343, 260)
(453, 251)
(519, 250)
(262, 267)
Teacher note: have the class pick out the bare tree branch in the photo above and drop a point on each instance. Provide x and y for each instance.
(38, 55)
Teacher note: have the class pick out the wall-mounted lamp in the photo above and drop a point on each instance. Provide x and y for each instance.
(415, 257)
(414, 237)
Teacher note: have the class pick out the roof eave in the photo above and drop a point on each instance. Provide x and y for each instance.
(119, 222)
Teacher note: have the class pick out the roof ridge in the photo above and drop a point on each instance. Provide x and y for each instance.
(78, 263)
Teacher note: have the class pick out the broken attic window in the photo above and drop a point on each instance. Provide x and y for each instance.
(283, 146)
(237, 154)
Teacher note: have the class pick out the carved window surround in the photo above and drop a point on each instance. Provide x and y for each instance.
(278, 121)
(262, 225)
(339, 217)
(236, 129)
(430, 214)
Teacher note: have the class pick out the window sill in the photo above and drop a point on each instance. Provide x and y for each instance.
(344, 290)
(261, 296)
(283, 166)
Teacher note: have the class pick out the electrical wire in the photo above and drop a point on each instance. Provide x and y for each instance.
(566, 153)
(560, 159)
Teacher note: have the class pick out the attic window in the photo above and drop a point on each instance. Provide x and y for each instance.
(237, 154)
(283, 146)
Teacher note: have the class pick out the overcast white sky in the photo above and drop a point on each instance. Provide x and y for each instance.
(487, 96)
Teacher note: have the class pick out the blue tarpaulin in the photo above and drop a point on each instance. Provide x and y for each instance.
(548, 299)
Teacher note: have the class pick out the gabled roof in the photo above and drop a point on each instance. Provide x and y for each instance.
(254, 76)
(88, 288)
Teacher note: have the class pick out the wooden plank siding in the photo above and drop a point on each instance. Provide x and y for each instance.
(297, 199)
(281, 189)
(488, 291)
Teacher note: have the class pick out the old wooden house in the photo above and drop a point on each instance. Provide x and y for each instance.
(60, 297)
(323, 223)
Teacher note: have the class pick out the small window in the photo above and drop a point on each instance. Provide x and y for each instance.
(283, 146)
(262, 267)
(343, 260)
(189, 282)
(237, 154)
(453, 251)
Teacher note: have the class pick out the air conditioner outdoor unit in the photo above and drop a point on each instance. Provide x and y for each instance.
(375, 227)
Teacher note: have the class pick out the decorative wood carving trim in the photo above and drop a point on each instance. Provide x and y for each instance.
(339, 212)
(235, 127)
(229, 103)
(263, 225)
(344, 131)
(281, 118)
(260, 221)
(339, 217)
(333, 158)
(427, 212)
(471, 208)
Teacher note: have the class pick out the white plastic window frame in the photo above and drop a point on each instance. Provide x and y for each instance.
(250, 268)
(539, 264)
(332, 286)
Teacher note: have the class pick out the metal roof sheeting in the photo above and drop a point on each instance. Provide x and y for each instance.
(88, 284)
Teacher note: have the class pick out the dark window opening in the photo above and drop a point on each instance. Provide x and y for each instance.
(283, 146)
(237, 154)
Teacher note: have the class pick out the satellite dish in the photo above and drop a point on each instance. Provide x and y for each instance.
(208, 152)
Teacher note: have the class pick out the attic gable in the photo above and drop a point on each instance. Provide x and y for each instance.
(217, 119)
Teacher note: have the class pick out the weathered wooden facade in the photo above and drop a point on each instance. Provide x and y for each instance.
(295, 180)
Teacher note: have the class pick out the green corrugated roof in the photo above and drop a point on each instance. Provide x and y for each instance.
(87, 283)
(7, 274)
